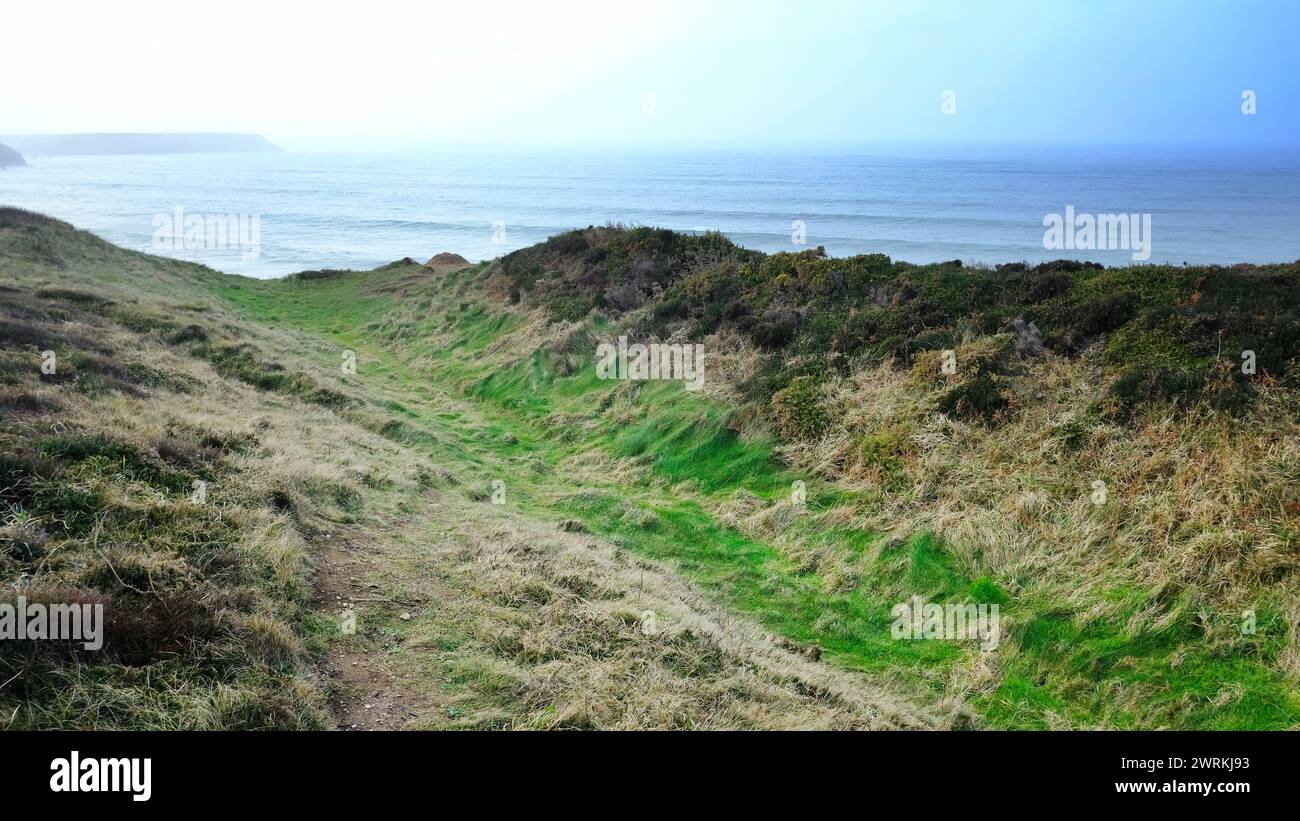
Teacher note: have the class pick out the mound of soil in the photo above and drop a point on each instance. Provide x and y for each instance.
(445, 259)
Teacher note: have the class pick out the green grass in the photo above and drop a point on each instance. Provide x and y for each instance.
(480, 414)
(452, 373)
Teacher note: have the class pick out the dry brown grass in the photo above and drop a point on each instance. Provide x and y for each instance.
(205, 601)
(538, 628)
(1200, 502)
(535, 628)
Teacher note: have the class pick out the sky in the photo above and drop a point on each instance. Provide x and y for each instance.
(668, 74)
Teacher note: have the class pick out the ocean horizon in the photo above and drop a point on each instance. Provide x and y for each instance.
(979, 204)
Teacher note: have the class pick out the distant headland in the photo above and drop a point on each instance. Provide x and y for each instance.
(10, 158)
(56, 145)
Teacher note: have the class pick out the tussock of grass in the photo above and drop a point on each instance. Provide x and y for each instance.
(243, 363)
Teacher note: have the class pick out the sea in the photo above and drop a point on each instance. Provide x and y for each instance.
(979, 204)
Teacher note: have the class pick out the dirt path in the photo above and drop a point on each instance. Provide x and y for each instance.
(470, 616)
(365, 694)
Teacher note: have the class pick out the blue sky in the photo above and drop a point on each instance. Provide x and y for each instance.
(665, 74)
(1047, 71)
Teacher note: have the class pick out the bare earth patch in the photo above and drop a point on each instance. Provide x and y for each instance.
(363, 692)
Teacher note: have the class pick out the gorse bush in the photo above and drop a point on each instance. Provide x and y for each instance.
(610, 268)
(799, 409)
(978, 387)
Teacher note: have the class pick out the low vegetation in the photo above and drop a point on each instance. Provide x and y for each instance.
(1110, 455)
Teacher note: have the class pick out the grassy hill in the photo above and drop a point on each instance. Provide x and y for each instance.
(502, 521)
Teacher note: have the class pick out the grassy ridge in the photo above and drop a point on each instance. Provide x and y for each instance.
(677, 477)
(974, 488)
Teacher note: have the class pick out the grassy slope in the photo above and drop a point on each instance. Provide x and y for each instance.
(323, 488)
(657, 469)
(98, 464)
(487, 391)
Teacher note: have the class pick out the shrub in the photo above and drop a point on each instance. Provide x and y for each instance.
(979, 388)
(881, 454)
(799, 410)
(568, 307)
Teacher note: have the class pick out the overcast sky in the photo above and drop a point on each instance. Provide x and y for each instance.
(666, 74)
